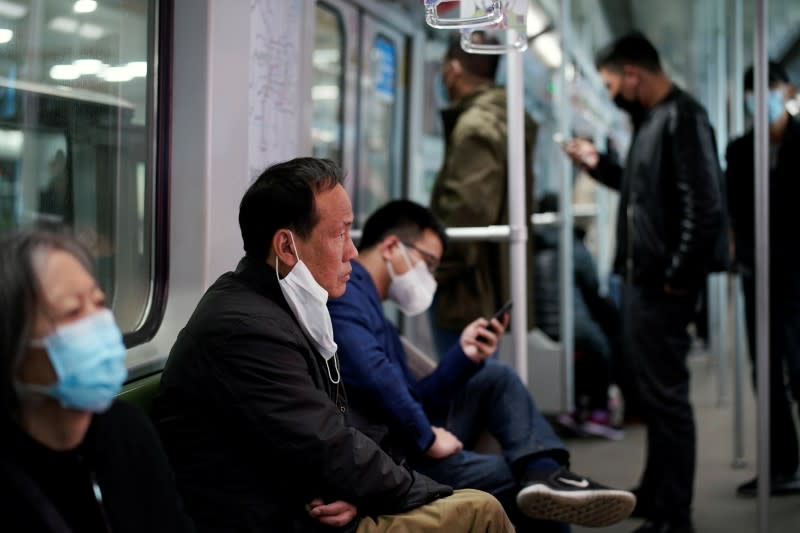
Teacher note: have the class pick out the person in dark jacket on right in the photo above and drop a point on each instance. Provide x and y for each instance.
(784, 134)
(670, 235)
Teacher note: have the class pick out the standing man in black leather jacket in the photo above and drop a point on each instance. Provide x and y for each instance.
(669, 237)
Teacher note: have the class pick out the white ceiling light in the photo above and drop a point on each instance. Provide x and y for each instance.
(89, 66)
(64, 72)
(91, 31)
(5, 35)
(12, 10)
(137, 69)
(84, 6)
(548, 49)
(116, 74)
(63, 25)
(537, 20)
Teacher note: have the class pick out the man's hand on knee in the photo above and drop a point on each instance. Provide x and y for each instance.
(334, 514)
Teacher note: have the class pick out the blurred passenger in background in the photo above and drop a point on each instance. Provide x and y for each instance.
(670, 235)
(471, 190)
(597, 326)
(784, 259)
(71, 458)
(252, 407)
(438, 419)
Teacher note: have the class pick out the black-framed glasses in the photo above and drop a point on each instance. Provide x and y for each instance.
(431, 261)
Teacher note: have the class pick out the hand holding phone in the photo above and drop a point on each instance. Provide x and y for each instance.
(497, 315)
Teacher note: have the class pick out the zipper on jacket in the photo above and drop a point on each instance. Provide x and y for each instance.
(98, 496)
(629, 244)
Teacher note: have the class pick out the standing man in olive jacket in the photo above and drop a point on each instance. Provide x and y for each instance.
(670, 235)
(471, 190)
(252, 409)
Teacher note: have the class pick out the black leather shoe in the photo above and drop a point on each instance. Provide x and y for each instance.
(664, 526)
(782, 485)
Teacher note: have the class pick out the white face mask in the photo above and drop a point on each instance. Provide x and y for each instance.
(413, 291)
(307, 300)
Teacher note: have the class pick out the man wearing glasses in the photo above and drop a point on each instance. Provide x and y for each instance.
(436, 421)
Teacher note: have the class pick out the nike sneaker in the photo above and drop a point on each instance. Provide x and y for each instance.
(563, 496)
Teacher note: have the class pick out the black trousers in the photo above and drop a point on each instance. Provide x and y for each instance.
(657, 344)
(784, 360)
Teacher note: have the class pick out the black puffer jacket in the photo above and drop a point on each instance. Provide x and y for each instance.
(671, 218)
(253, 425)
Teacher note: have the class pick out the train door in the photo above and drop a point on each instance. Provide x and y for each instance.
(359, 99)
(381, 117)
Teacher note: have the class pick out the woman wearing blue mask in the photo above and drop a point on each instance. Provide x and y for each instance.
(71, 458)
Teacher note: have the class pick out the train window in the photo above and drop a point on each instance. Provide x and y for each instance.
(376, 184)
(77, 131)
(378, 132)
(327, 89)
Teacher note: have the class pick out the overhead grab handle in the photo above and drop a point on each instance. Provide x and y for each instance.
(493, 15)
(518, 44)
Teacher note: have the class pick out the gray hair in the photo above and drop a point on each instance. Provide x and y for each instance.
(22, 253)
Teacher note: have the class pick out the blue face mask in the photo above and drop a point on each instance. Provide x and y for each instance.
(88, 357)
(775, 105)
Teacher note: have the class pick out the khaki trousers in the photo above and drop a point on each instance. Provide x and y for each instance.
(465, 511)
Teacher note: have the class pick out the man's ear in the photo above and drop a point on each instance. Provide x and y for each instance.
(283, 248)
(387, 245)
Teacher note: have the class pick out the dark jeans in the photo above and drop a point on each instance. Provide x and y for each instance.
(495, 400)
(657, 345)
(784, 359)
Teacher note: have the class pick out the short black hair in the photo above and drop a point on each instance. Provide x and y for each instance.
(483, 66)
(631, 49)
(775, 74)
(403, 218)
(283, 197)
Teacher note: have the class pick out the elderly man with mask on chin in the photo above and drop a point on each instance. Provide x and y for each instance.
(437, 420)
(252, 409)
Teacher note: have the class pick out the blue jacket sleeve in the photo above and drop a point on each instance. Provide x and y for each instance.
(450, 374)
(366, 365)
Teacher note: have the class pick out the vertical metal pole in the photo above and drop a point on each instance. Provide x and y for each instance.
(737, 128)
(738, 381)
(515, 105)
(721, 100)
(566, 240)
(762, 260)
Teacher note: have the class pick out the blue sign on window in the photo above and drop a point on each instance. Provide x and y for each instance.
(385, 62)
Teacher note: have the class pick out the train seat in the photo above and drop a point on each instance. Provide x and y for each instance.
(142, 391)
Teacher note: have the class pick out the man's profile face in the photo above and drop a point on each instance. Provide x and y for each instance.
(328, 250)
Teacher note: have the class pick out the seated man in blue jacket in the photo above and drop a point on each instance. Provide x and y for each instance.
(437, 420)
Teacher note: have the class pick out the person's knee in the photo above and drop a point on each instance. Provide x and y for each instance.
(487, 510)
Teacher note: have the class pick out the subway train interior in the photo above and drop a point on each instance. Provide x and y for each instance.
(140, 123)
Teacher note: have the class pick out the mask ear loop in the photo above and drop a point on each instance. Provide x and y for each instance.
(338, 372)
(294, 250)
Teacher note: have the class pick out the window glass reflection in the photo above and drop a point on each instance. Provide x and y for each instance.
(327, 89)
(375, 187)
(74, 100)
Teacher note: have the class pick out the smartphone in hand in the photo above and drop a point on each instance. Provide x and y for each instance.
(498, 315)
(503, 310)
